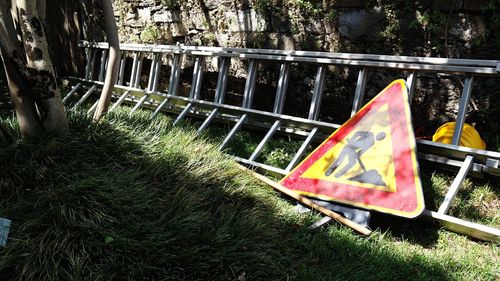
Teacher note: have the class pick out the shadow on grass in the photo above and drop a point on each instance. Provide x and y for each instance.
(134, 199)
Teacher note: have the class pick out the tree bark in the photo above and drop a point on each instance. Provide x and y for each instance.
(63, 32)
(15, 70)
(113, 60)
(44, 83)
(30, 75)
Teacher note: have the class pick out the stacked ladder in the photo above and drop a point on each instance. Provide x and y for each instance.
(466, 161)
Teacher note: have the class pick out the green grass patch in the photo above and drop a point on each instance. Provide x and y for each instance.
(135, 199)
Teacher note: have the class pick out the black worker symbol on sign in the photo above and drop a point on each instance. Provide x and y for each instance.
(356, 145)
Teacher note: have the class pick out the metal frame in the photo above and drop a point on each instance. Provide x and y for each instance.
(454, 157)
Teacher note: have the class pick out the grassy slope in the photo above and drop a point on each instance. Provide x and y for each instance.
(134, 199)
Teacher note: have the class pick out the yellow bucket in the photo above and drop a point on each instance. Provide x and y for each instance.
(470, 137)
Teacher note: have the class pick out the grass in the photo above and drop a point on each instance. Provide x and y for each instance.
(134, 199)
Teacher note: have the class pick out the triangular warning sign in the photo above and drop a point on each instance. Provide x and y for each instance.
(370, 161)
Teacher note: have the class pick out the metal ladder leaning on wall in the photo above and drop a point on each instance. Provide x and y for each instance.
(466, 161)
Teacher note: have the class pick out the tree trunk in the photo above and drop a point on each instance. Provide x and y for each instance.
(113, 62)
(30, 74)
(44, 83)
(14, 65)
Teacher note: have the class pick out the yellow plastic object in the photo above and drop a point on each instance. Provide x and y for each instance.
(470, 137)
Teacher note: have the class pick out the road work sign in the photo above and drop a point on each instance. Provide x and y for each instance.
(369, 162)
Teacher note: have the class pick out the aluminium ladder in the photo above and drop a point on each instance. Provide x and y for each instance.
(467, 161)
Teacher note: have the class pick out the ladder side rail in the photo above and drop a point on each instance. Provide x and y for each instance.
(358, 56)
(349, 56)
(472, 229)
(361, 63)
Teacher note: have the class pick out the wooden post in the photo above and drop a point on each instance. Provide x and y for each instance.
(359, 228)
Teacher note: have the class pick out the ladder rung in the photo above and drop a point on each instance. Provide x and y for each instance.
(410, 84)
(85, 96)
(233, 131)
(222, 80)
(302, 149)
(260, 165)
(120, 100)
(359, 95)
(173, 82)
(183, 114)
(457, 183)
(220, 92)
(250, 84)
(72, 92)
(90, 55)
(197, 78)
(462, 110)
(279, 102)
(207, 121)
(319, 86)
(93, 107)
(102, 69)
(266, 138)
(123, 63)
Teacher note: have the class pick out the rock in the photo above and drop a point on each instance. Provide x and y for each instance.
(167, 16)
(177, 29)
(353, 24)
(281, 24)
(245, 21)
(314, 26)
(144, 15)
(214, 4)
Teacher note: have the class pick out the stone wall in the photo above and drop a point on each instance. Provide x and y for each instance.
(443, 28)
(448, 28)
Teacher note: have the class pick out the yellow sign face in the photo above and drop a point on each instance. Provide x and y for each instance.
(363, 157)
